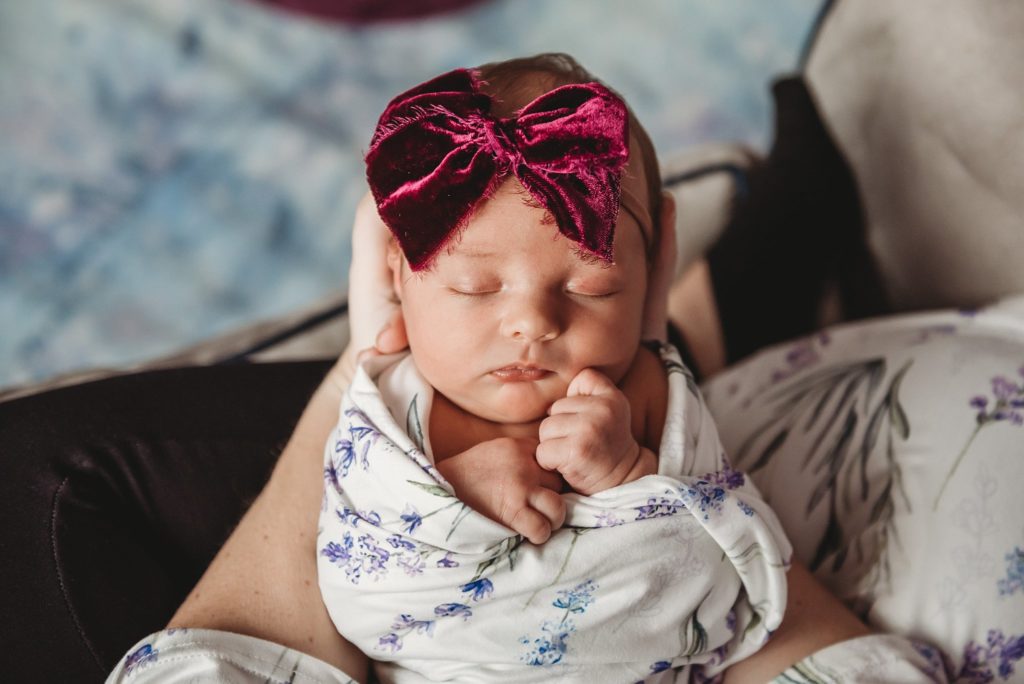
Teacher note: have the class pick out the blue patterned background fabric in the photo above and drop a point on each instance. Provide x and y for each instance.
(172, 169)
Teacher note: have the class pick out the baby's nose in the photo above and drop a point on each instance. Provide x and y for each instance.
(535, 320)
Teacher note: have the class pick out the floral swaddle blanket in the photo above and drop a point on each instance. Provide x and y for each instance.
(686, 567)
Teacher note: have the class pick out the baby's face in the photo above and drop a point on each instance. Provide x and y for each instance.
(506, 318)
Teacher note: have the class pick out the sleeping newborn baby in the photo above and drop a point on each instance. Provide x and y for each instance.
(529, 493)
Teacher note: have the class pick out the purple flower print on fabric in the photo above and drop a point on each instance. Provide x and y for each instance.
(398, 542)
(803, 354)
(411, 518)
(453, 610)
(996, 658)
(745, 507)
(139, 657)
(406, 624)
(358, 557)
(478, 589)
(551, 646)
(390, 642)
(1009, 400)
(344, 457)
(374, 558)
(608, 519)
(707, 497)
(331, 475)
(659, 507)
(363, 436)
(1014, 580)
(353, 518)
(938, 666)
(659, 666)
(577, 599)
(338, 553)
(412, 565)
(447, 561)
(1005, 406)
(930, 331)
(726, 477)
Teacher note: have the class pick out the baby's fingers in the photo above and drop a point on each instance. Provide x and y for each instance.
(550, 479)
(553, 454)
(590, 381)
(558, 425)
(531, 525)
(549, 504)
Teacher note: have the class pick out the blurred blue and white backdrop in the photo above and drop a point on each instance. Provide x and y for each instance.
(170, 169)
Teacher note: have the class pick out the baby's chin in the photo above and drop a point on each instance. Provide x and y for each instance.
(512, 406)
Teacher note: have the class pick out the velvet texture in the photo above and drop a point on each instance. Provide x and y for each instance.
(437, 152)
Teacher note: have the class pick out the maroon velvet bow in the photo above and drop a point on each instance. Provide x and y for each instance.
(437, 152)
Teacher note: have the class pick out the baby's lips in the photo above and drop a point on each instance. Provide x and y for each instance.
(520, 373)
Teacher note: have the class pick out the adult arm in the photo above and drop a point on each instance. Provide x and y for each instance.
(263, 582)
(814, 619)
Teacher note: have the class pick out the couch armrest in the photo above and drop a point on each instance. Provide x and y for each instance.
(706, 182)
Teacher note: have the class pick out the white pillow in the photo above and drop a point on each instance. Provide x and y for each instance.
(926, 102)
(852, 434)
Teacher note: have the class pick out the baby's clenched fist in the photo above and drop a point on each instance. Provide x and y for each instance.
(588, 437)
(501, 479)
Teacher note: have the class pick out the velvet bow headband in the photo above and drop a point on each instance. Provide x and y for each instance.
(437, 152)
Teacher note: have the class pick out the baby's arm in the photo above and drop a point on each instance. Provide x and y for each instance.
(500, 478)
(596, 437)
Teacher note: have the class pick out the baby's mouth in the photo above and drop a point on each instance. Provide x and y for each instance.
(520, 373)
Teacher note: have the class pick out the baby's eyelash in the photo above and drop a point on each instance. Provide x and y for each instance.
(603, 295)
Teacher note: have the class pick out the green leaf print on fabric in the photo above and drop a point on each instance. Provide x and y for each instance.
(435, 489)
(847, 421)
(576, 532)
(507, 549)
(674, 366)
(413, 427)
(693, 637)
(412, 518)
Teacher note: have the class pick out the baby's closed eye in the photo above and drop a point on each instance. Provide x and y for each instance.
(473, 286)
(595, 287)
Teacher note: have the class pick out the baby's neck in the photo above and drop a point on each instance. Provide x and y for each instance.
(454, 430)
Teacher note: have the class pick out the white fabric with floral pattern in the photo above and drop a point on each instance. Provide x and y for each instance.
(683, 567)
(893, 452)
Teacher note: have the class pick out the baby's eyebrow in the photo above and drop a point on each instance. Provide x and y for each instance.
(476, 254)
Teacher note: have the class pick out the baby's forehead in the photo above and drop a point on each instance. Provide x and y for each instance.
(539, 254)
(511, 228)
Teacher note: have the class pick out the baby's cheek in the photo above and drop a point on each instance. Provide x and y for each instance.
(607, 346)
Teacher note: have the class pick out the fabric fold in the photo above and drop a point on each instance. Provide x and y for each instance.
(644, 580)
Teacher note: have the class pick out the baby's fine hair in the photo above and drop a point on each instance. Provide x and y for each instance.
(515, 82)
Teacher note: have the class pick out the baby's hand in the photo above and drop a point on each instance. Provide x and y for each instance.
(587, 437)
(500, 478)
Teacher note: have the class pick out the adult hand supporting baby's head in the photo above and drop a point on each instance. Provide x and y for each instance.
(375, 319)
(371, 297)
(662, 272)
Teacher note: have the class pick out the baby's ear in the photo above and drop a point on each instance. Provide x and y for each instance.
(661, 274)
(668, 243)
(395, 263)
(667, 214)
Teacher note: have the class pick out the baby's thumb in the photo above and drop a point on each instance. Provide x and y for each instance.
(590, 382)
(392, 338)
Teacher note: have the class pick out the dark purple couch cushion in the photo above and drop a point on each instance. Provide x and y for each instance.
(115, 496)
